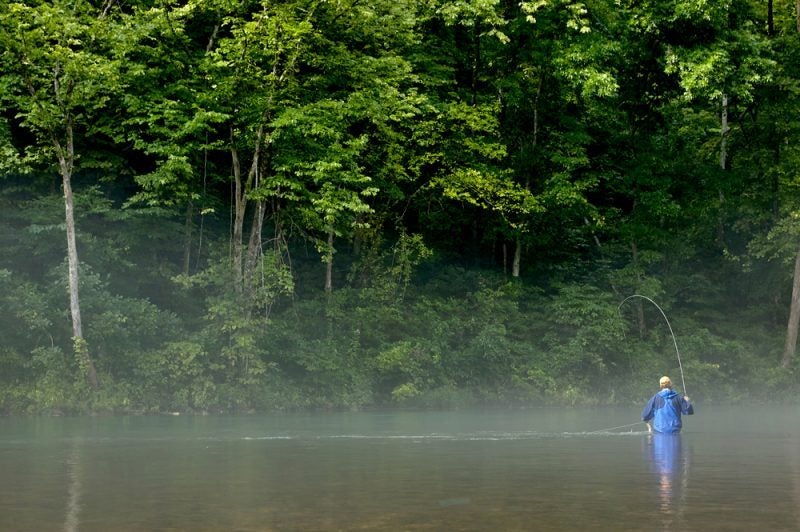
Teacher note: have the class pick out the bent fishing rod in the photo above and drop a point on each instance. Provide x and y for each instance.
(675, 343)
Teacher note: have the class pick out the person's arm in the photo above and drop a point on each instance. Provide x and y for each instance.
(647, 413)
(686, 406)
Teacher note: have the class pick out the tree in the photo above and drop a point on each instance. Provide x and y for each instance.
(59, 72)
(527, 83)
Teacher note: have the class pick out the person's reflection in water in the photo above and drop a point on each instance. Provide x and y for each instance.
(669, 465)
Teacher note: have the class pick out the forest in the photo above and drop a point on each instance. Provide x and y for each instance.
(267, 205)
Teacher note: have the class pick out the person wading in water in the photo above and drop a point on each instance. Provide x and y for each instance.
(664, 409)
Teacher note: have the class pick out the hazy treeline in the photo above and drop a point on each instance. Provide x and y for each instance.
(227, 205)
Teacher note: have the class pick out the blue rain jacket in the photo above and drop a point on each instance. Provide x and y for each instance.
(665, 409)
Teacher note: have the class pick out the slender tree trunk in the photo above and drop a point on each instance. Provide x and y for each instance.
(517, 261)
(638, 302)
(254, 245)
(723, 155)
(187, 244)
(66, 162)
(724, 128)
(794, 317)
(476, 61)
(242, 188)
(329, 264)
(770, 19)
(797, 14)
(254, 250)
(238, 217)
(775, 184)
(277, 235)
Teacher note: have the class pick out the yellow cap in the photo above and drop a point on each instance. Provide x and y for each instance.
(665, 382)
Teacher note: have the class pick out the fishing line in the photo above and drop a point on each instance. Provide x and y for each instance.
(615, 428)
(683, 381)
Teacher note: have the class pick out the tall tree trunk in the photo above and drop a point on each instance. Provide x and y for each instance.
(794, 317)
(66, 163)
(517, 261)
(476, 61)
(770, 19)
(239, 204)
(242, 188)
(187, 243)
(724, 129)
(254, 250)
(638, 302)
(775, 184)
(329, 264)
(254, 245)
(723, 156)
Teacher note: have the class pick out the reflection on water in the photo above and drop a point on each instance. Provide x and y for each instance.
(794, 452)
(543, 470)
(671, 468)
(73, 489)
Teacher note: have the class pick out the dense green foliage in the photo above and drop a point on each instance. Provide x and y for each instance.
(327, 204)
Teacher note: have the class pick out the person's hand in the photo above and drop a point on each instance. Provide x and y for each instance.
(686, 398)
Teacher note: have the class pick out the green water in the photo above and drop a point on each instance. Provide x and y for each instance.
(731, 469)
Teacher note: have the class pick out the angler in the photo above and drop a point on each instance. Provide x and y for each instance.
(664, 409)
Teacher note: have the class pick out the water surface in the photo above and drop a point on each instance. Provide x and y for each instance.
(539, 469)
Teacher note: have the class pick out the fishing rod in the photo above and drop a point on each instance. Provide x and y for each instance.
(683, 381)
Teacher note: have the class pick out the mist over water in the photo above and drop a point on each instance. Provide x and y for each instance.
(732, 468)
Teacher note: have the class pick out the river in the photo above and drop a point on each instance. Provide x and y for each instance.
(547, 469)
